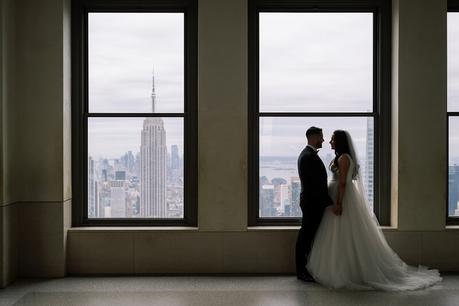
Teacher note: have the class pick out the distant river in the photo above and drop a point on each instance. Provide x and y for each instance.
(284, 167)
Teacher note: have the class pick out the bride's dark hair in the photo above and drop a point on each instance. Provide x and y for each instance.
(341, 145)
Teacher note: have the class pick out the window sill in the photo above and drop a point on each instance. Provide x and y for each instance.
(296, 228)
(272, 228)
(129, 229)
(118, 229)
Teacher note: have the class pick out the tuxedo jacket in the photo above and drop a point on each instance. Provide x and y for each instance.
(314, 195)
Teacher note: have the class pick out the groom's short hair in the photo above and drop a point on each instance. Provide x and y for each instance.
(313, 131)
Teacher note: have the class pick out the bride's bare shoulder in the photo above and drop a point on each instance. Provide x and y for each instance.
(344, 156)
(344, 159)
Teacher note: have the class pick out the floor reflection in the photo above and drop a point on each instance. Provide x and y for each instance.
(432, 297)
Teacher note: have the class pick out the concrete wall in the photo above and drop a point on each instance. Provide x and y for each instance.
(222, 113)
(8, 211)
(41, 163)
(222, 243)
(421, 114)
(36, 137)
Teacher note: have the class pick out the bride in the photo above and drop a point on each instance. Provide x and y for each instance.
(349, 249)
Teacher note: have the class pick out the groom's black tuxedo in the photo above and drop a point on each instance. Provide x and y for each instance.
(314, 199)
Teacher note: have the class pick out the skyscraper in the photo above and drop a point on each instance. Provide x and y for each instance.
(295, 210)
(453, 197)
(175, 159)
(120, 175)
(92, 196)
(369, 173)
(153, 153)
(267, 208)
(128, 161)
(281, 197)
(117, 199)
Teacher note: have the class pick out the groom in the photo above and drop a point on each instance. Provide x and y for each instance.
(314, 198)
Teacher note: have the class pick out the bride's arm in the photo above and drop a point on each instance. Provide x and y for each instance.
(343, 165)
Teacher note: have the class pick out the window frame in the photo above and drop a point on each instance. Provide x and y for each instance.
(381, 98)
(453, 7)
(81, 114)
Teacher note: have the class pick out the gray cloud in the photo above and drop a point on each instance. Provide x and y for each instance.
(316, 61)
(453, 62)
(453, 84)
(309, 62)
(123, 49)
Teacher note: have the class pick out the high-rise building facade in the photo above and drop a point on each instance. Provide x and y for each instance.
(128, 161)
(92, 190)
(267, 208)
(453, 197)
(153, 154)
(120, 175)
(175, 159)
(295, 198)
(369, 169)
(281, 197)
(117, 199)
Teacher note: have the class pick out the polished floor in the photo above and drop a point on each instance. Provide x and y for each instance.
(203, 291)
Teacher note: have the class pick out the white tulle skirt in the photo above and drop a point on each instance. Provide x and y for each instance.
(351, 252)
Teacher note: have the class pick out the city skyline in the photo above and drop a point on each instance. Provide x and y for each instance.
(453, 106)
(123, 176)
(321, 59)
(140, 184)
(278, 192)
(453, 190)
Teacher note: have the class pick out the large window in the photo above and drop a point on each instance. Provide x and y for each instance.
(134, 112)
(322, 64)
(453, 115)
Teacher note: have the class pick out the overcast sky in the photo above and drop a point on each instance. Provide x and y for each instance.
(316, 62)
(124, 50)
(308, 62)
(453, 84)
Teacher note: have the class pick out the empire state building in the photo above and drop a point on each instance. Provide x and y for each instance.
(153, 154)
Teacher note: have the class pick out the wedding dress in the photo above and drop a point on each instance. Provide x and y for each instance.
(351, 252)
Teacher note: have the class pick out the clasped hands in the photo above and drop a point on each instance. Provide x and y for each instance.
(337, 209)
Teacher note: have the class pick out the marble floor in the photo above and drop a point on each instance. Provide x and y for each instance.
(215, 290)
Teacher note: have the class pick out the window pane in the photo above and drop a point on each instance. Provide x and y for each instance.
(135, 168)
(281, 142)
(453, 205)
(453, 62)
(316, 62)
(124, 50)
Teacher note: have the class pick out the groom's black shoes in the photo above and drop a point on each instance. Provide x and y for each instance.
(305, 277)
